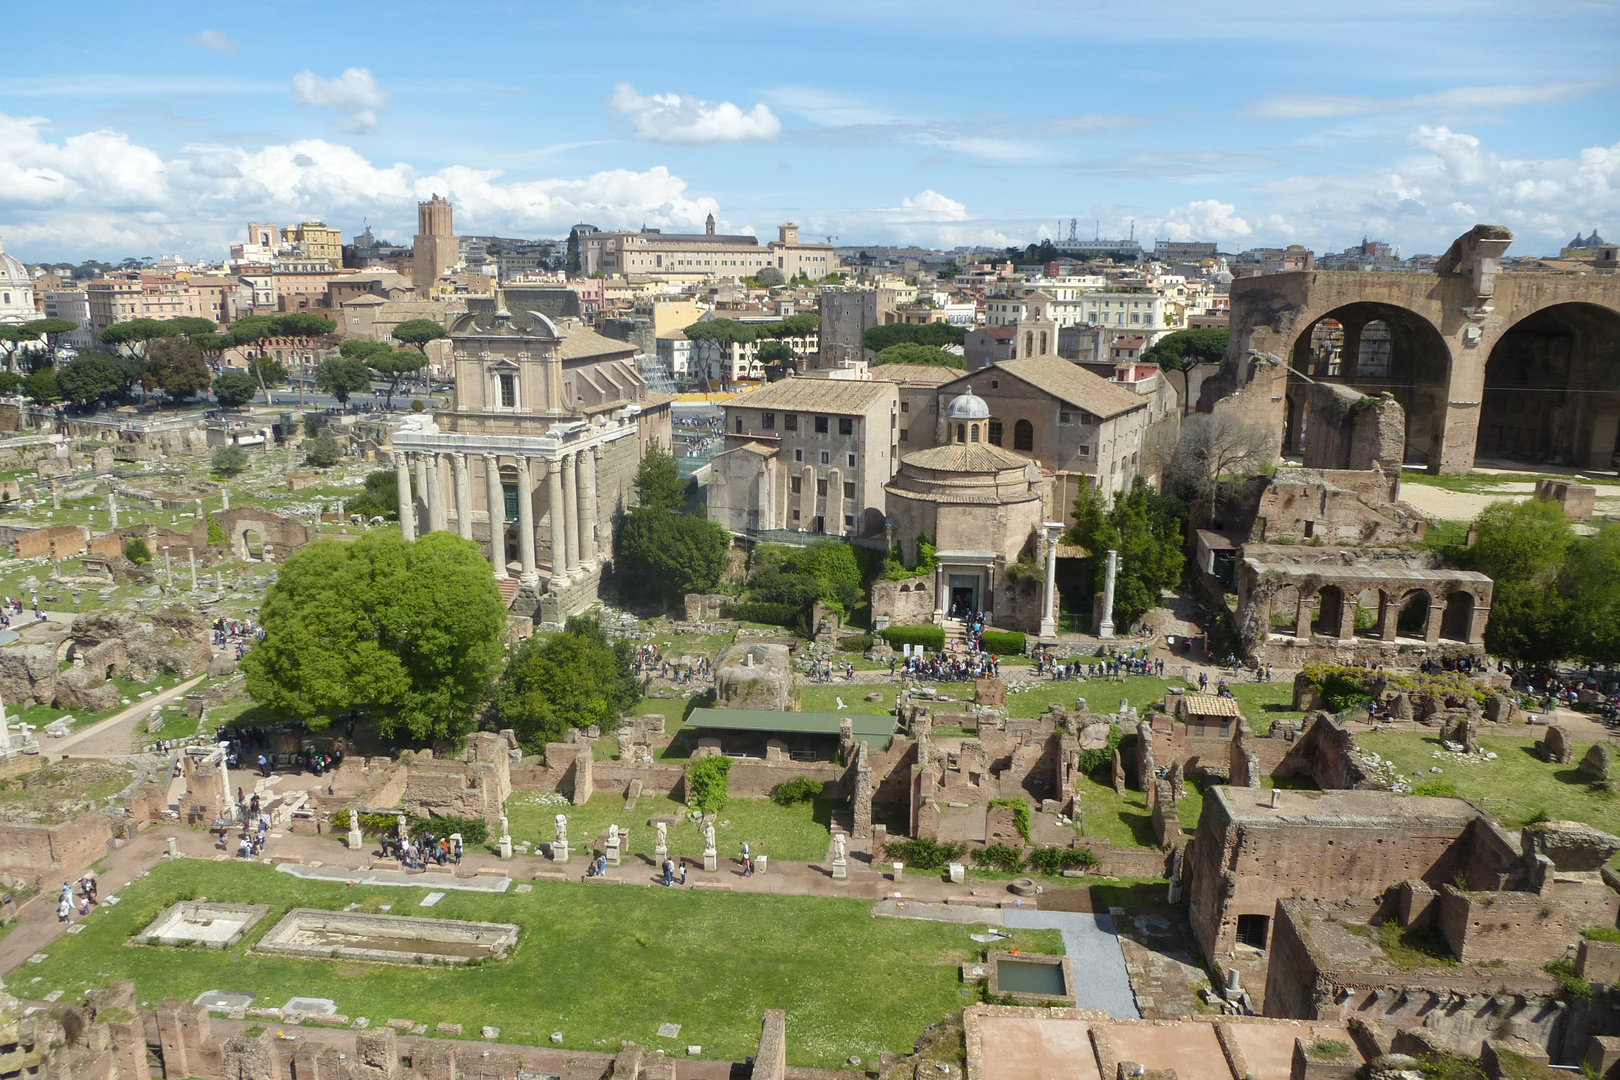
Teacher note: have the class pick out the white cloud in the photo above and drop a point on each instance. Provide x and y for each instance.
(679, 118)
(930, 205)
(1458, 99)
(210, 39)
(354, 94)
(98, 193)
(1206, 219)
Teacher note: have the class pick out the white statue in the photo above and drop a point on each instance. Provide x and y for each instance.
(838, 847)
(708, 837)
(400, 824)
(505, 832)
(562, 831)
(613, 835)
(663, 836)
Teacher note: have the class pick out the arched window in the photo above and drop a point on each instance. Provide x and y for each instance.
(961, 435)
(1029, 343)
(1023, 435)
(1043, 342)
(975, 433)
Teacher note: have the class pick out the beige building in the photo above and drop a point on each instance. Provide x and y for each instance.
(125, 296)
(702, 256)
(537, 453)
(314, 240)
(808, 455)
(434, 249)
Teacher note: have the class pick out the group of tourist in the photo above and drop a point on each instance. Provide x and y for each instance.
(245, 744)
(1602, 696)
(415, 852)
(827, 671)
(948, 667)
(650, 663)
(1107, 667)
(87, 899)
(12, 607)
(317, 761)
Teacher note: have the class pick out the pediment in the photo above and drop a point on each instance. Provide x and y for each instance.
(504, 363)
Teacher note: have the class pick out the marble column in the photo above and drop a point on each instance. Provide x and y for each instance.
(463, 496)
(407, 511)
(497, 515)
(1105, 627)
(589, 538)
(438, 511)
(526, 522)
(1049, 627)
(424, 523)
(570, 501)
(559, 531)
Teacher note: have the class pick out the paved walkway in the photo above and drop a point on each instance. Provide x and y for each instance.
(114, 736)
(1095, 959)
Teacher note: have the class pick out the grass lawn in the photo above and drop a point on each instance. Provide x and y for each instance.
(799, 833)
(1514, 787)
(598, 964)
(1102, 695)
(1263, 703)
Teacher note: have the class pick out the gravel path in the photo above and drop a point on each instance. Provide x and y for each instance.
(1095, 957)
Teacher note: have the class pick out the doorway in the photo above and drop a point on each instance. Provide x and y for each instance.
(964, 594)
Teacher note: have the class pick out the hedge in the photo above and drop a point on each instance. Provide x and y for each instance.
(925, 854)
(1003, 642)
(762, 612)
(927, 635)
(472, 830)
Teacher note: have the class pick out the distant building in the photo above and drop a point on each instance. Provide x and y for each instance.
(1179, 251)
(314, 240)
(1583, 249)
(16, 291)
(702, 256)
(434, 248)
(73, 305)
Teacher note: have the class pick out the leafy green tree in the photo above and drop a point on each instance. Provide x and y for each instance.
(41, 387)
(394, 366)
(1175, 351)
(878, 338)
(251, 333)
(134, 336)
(832, 566)
(10, 382)
(801, 325)
(708, 784)
(323, 452)
(216, 532)
(1522, 547)
(379, 497)
(137, 551)
(95, 377)
(10, 342)
(268, 370)
(769, 276)
(342, 376)
(573, 679)
(1146, 530)
(663, 556)
(658, 481)
(406, 631)
(419, 332)
(213, 346)
(176, 366)
(192, 325)
(51, 330)
(1590, 577)
(712, 341)
(235, 389)
(778, 355)
(360, 350)
(303, 326)
(910, 352)
(229, 460)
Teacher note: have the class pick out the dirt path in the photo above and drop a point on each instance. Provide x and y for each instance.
(114, 736)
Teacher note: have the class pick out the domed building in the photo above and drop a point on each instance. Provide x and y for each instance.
(16, 291)
(982, 507)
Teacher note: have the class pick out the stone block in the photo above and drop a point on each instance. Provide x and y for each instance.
(1594, 766)
(1571, 845)
(1556, 746)
(1603, 1056)
(1598, 962)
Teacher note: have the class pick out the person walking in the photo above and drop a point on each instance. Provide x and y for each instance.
(683, 873)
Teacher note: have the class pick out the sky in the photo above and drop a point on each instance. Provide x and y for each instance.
(138, 130)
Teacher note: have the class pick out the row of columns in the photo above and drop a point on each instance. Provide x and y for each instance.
(576, 536)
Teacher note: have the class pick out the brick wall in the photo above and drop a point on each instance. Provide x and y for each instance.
(1482, 927)
(32, 850)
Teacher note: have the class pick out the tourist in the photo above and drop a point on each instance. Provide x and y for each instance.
(748, 864)
(244, 849)
(264, 765)
(744, 860)
(683, 873)
(63, 910)
(84, 908)
(89, 886)
(669, 873)
(456, 851)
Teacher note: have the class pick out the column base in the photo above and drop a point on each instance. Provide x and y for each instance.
(840, 870)
(711, 861)
(1048, 629)
(559, 853)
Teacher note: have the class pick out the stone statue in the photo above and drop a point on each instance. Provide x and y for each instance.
(400, 825)
(708, 837)
(613, 834)
(504, 830)
(663, 836)
(562, 830)
(838, 847)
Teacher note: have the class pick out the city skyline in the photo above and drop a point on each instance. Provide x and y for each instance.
(938, 125)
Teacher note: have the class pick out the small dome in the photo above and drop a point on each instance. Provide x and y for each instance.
(969, 406)
(12, 272)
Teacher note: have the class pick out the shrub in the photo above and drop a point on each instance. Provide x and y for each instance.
(797, 790)
(1001, 857)
(473, 830)
(1004, 642)
(925, 854)
(216, 532)
(137, 552)
(707, 786)
(770, 614)
(1020, 809)
(229, 460)
(418, 406)
(1098, 756)
(927, 635)
(1054, 860)
(1439, 787)
(855, 642)
(1330, 1049)
(323, 452)
(1571, 986)
(1601, 933)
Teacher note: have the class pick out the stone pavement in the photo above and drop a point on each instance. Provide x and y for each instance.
(1159, 957)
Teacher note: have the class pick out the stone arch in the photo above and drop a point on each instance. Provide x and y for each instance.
(1029, 343)
(1043, 343)
(1024, 436)
(1418, 368)
(1552, 389)
(1330, 602)
(1412, 618)
(1457, 623)
(1371, 601)
(246, 536)
(1284, 616)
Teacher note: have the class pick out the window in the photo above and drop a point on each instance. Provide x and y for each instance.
(794, 486)
(508, 384)
(961, 433)
(905, 435)
(798, 454)
(905, 406)
(1310, 529)
(767, 421)
(739, 424)
(1251, 930)
(821, 425)
(973, 433)
(821, 487)
(1023, 435)
(849, 489)
(509, 494)
(993, 433)
(1065, 418)
(849, 459)
(846, 426)
(1085, 449)
(995, 384)
(790, 422)
(849, 521)
(826, 457)
(795, 515)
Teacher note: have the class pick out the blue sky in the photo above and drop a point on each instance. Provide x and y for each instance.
(139, 130)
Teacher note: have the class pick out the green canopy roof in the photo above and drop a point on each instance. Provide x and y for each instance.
(873, 730)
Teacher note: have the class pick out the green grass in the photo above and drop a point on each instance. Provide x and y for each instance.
(600, 964)
(1514, 787)
(1265, 703)
(40, 715)
(798, 833)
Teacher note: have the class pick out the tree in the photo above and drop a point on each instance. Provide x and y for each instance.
(1590, 577)
(394, 366)
(406, 631)
(10, 382)
(134, 337)
(878, 338)
(213, 347)
(1214, 448)
(137, 551)
(663, 556)
(379, 497)
(769, 276)
(419, 332)
(303, 328)
(252, 332)
(910, 352)
(1175, 351)
(658, 481)
(10, 342)
(323, 452)
(1522, 548)
(1146, 530)
(192, 325)
(41, 387)
(267, 370)
(776, 354)
(95, 377)
(573, 679)
(176, 366)
(235, 389)
(49, 329)
(341, 376)
(712, 341)
(229, 460)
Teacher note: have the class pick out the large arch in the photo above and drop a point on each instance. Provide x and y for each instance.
(1407, 358)
(1552, 390)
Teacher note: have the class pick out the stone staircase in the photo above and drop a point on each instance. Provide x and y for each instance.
(509, 589)
(955, 632)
